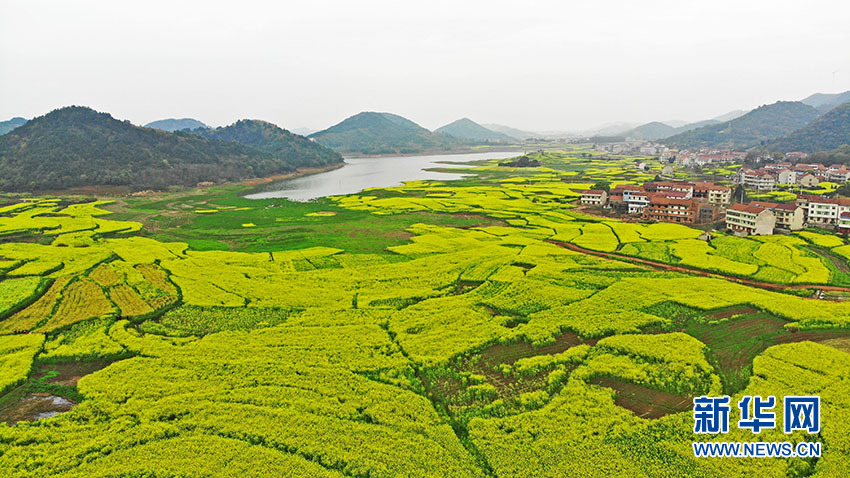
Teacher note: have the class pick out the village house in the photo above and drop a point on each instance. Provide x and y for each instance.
(594, 197)
(758, 179)
(750, 220)
(786, 176)
(678, 186)
(788, 216)
(667, 170)
(712, 193)
(666, 209)
(636, 199)
(796, 156)
(838, 174)
(844, 223)
(826, 211)
(778, 166)
(808, 180)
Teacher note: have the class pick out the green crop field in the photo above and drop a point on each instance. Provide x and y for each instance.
(480, 327)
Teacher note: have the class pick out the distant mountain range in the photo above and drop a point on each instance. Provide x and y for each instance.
(172, 124)
(6, 126)
(830, 131)
(754, 128)
(659, 130)
(465, 128)
(383, 133)
(730, 116)
(826, 101)
(275, 141)
(651, 131)
(79, 147)
(512, 132)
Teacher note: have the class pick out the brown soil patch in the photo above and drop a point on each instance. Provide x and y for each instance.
(837, 261)
(35, 406)
(643, 401)
(69, 372)
(842, 344)
(498, 354)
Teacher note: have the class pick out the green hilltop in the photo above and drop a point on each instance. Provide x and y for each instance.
(754, 128)
(465, 128)
(172, 124)
(78, 147)
(383, 133)
(651, 131)
(830, 131)
(275, 141)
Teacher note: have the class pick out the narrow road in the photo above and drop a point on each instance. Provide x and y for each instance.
(691, 270)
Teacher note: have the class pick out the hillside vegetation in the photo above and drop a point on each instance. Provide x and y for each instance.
(465, 128)
(172, 124)
(651, 131)
(756, 127)
(275, 141)
(830, 131)
(79, 147)
(6, 126)
(826, 101)
(383, 133)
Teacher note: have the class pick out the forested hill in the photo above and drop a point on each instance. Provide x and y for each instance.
(383, 133)
(275, 141)
(172, 124)
(756, 127)
(651, 131)
(77, 147)
(6, 126)
(828, 132)
(824, 102)
(465, 128)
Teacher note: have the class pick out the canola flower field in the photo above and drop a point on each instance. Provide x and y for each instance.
(459, 346)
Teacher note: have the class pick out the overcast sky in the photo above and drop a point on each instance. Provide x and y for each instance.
(536, 65)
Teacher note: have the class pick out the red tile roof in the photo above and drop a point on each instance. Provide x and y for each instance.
(774, 205)
(747, 208)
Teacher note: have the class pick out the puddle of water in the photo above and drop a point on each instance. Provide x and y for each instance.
(35, 406)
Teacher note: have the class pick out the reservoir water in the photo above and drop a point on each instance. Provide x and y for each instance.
(363, 173)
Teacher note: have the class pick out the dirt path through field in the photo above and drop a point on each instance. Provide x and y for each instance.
(690, 270)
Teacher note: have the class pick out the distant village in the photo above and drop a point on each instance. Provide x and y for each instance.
(708, 203)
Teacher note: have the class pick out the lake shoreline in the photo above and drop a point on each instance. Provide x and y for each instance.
(362, 173)
(508, 149)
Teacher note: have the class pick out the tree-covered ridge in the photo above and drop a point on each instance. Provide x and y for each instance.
(756, 127)
(824, 102)
(465, 128)
(275, 141)
(382, 133)
(173, 124)
(651, 131)
(79, 147)
(830, 131)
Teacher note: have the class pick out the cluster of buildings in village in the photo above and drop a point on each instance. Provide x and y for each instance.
(632, 147)
(702, 157)
(669, 201)
(761, 217)
(707, 203)
(805, 175)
